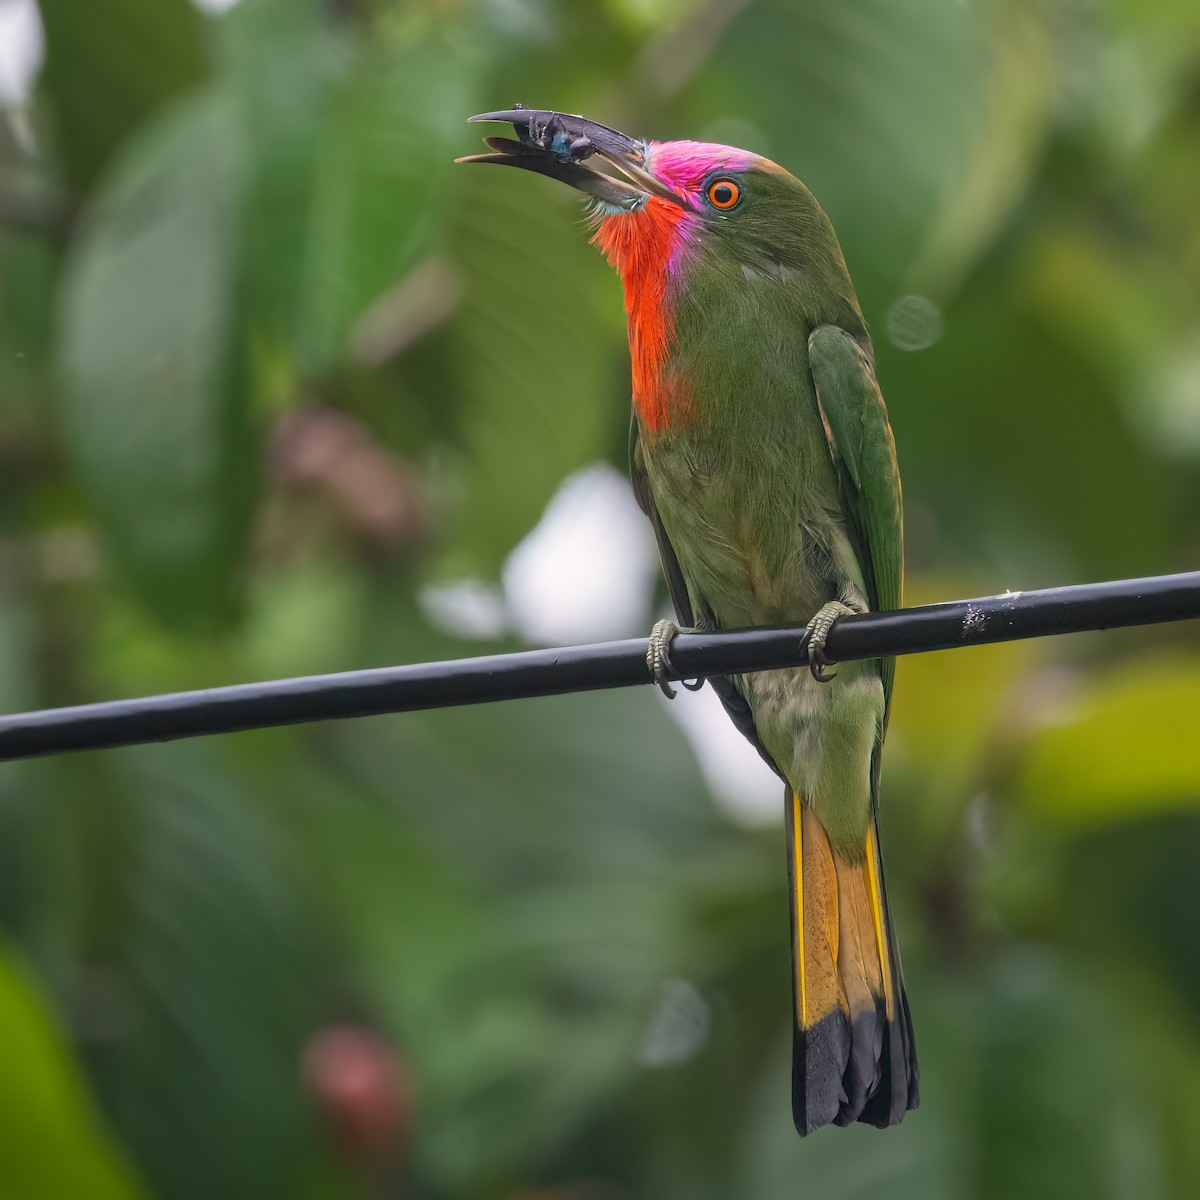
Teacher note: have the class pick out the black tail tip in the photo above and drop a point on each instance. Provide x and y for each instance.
(845, 1071)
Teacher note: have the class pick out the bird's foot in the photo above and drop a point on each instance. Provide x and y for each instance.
(658, 658)
(817, 633)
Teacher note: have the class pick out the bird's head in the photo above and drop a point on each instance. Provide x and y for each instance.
(677, 220)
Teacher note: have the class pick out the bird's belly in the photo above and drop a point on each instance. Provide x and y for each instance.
(755, 546)
(746, 577)
(821, 737)
(759, 544)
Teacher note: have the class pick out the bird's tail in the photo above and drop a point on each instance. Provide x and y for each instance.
(853, 1056)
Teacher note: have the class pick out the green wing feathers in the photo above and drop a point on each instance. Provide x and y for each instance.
(864, 452)
(854, 1055)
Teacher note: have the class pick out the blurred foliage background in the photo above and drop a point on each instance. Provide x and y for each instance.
(281, 390)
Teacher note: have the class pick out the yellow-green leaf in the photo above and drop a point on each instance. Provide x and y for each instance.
(50, 1142)
(1127, 749)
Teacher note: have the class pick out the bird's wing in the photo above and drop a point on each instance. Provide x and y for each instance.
(666, 552)
(860, 440)
(725, 687)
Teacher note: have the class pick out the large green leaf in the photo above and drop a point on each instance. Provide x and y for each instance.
(109, 65)
(155, 413)
(1055, 1104)
(26, 311)
(1125, 749)
(1008, 431)
(533, 362)
(1129, 886)
(207, 952)
(50, 1143)
(873, 103)
(351, 154)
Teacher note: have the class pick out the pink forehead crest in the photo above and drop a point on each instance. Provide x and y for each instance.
(684, 164)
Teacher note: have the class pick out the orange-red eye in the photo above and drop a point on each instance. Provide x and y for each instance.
(723, 193)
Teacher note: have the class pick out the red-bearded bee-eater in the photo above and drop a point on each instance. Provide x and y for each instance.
(762, 454)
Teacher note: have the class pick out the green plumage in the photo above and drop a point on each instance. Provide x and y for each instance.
(776, 496)
(774, 493)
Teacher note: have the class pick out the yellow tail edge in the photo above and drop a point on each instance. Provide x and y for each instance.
(854, 1056)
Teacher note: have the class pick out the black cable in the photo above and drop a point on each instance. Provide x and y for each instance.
(1005, 618)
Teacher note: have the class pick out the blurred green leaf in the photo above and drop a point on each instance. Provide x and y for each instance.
(17, 675)
(491, 984)
(155, 414)
(351, 150)
(109, 65)
(1131, 885)
(1014, 437)
(207, 956)
(1126, 748)
(874, 104)
(26, 318)
(1045, 1038)
(50, 1142)
(1019, 70)
(527, 360)
(948, 723)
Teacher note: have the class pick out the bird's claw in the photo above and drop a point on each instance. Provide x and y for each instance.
(816, 635)
(817, 662)
(658, 658)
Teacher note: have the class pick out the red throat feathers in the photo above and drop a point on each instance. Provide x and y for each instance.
(641, 246)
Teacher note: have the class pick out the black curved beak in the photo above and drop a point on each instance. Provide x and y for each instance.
(556, 144)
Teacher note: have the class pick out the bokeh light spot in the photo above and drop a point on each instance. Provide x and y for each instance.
(678, 1028)
(914, 323)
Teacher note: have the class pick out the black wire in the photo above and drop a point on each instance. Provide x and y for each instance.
(1009, 617)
